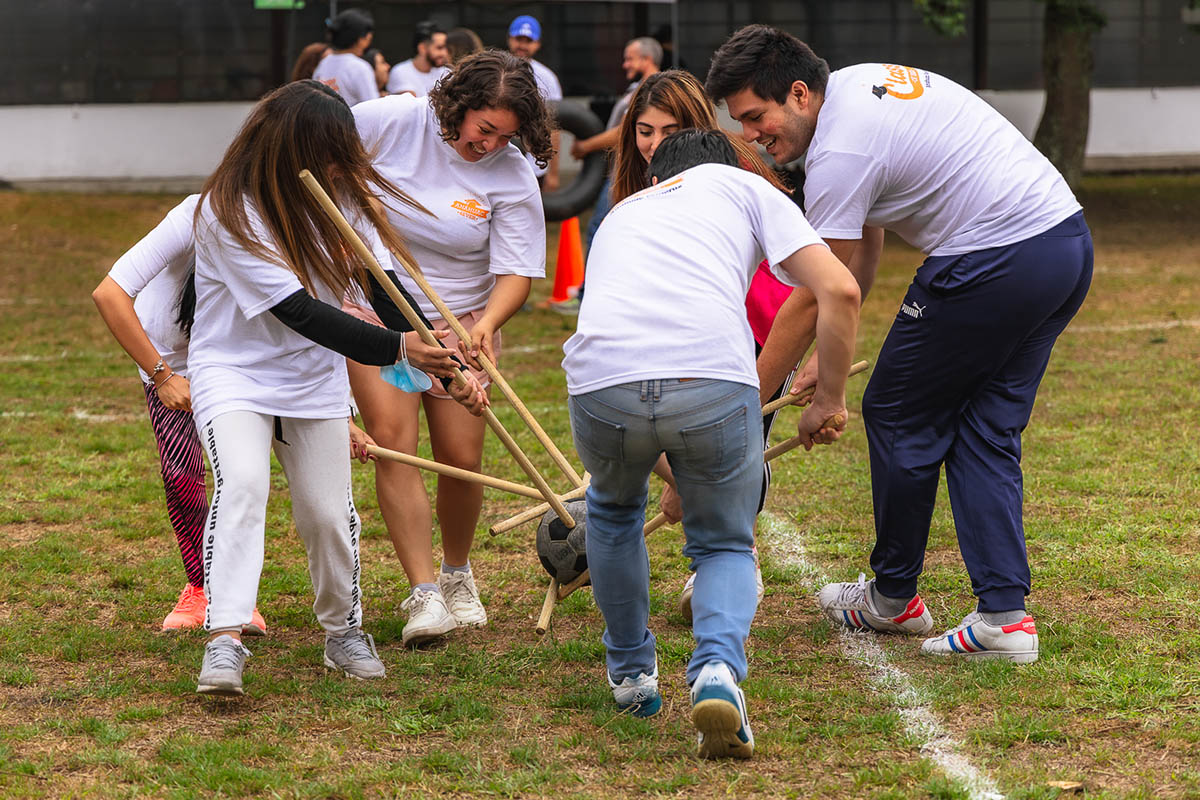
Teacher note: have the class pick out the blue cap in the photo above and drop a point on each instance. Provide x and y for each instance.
(525, 25)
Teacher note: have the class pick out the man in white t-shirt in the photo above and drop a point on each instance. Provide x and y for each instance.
(663, 361)
(419, 74)
(524, 41)
(1008, 263)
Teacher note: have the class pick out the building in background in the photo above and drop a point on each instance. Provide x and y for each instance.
(71, 66)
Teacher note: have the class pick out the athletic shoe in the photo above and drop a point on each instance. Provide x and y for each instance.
(849, 605)
(685, 597)
(188, 611)
(428, 617)
(976, 638)
(462, 598)
(568, 307)
(719, 714)
(257, 626)
(639, 696)
(353, 653)
(221, 672)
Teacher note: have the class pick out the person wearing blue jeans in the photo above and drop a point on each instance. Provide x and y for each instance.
(663, 362)
(1008, 263)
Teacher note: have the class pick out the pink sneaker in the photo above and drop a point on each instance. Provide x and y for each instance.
(257, 626)
(189, 611)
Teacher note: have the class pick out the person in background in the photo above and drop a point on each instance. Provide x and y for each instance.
(308, 59)
(374, 58)
(350, 34)
(419, 74)
(462, 42)
(640, 60)
(524, 41)
(480, 251)
(148, 300)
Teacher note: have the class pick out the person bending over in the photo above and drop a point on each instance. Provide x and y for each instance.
(663, 362)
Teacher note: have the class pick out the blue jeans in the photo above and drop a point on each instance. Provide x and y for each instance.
(711, 431)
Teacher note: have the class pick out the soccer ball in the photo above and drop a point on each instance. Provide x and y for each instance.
(563, 550)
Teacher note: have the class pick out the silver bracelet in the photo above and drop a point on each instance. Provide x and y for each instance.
(158, 386)
(403, 348)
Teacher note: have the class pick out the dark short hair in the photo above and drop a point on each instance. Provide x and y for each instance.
(766, 60)
(424, 32)
(348, 27)
(495, 79)
(691, 148)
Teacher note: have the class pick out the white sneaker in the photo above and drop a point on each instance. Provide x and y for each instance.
(428, 617)
(719, 714)
(849, 605)
(685, 597)
(975, 638)
(639, 696)
(462, 598)
(221, 671)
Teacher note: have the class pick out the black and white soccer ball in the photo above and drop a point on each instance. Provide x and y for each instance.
(563, 550)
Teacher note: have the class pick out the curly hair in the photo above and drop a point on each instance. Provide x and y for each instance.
(495, 79)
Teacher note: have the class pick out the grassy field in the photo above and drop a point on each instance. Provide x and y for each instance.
(94, 701)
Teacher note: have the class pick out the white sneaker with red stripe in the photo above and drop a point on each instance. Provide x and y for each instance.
(976, 638)
(849, 605)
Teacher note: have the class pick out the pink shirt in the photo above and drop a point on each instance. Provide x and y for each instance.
(763, 300)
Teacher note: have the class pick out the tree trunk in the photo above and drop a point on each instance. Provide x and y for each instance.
(1067, 71)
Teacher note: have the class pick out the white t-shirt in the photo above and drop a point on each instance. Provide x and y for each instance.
(153, 272)
(355, 78)
(405, 77)
(914, 152)
(242, 357)
(488, 213)
(667, 278)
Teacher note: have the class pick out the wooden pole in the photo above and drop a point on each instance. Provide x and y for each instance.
(454, 472)
(427, 337)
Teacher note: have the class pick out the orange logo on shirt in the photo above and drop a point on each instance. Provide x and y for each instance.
(470, 209)
(903, 83)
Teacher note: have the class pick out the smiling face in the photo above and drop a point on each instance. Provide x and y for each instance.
(435, 50)
(786, 129)
(484, 131)
(633, 62)
(650, 128)
(523, 46)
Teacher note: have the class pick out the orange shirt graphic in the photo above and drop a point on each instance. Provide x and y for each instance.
(903, 83)
(470, 208)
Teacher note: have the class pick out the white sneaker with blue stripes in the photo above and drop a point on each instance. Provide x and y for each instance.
(719, 714)
(849, 605)
(975, 638)
(639, 696)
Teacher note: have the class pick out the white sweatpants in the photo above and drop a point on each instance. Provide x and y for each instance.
(316, 461)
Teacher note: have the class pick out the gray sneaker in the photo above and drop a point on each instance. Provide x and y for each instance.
(353, 653)
(221, 672)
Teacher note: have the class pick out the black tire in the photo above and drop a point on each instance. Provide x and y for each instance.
(572, 200)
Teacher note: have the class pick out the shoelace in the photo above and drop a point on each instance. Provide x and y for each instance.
(417, 602)
(853, 593)
(967, 622)
(457, 590)
(224, 655)
(358, 645)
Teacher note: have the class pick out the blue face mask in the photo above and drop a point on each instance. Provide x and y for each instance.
(405, 377)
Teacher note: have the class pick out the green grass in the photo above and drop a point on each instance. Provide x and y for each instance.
(93, 701)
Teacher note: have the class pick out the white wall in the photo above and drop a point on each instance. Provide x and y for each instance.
(173, 146)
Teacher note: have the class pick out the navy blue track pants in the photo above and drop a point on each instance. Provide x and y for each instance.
(954, 384)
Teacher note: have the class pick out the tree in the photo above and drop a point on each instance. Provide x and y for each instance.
(1066, 70)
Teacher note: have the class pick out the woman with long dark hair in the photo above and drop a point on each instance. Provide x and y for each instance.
(486, 241)
(268, 356)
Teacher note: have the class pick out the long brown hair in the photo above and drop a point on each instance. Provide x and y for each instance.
(301, 125)
(679, 94)
(495, 79)
(306, 62)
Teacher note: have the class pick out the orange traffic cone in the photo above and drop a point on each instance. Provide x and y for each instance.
(568, 270)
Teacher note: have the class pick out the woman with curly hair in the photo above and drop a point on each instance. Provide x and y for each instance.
(452, 152)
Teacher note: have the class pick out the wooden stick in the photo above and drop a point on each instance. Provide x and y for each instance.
(543, 623)
(428, 338)
(585, 576)
(454, 472)
(794, 442)
(492, 370)
(530, 514)
(791, 399)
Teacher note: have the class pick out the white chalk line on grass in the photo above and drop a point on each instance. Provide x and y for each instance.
(1162, 325)
(920, 721)
(78, 414)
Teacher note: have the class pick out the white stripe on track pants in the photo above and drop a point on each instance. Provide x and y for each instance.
(316, 461)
